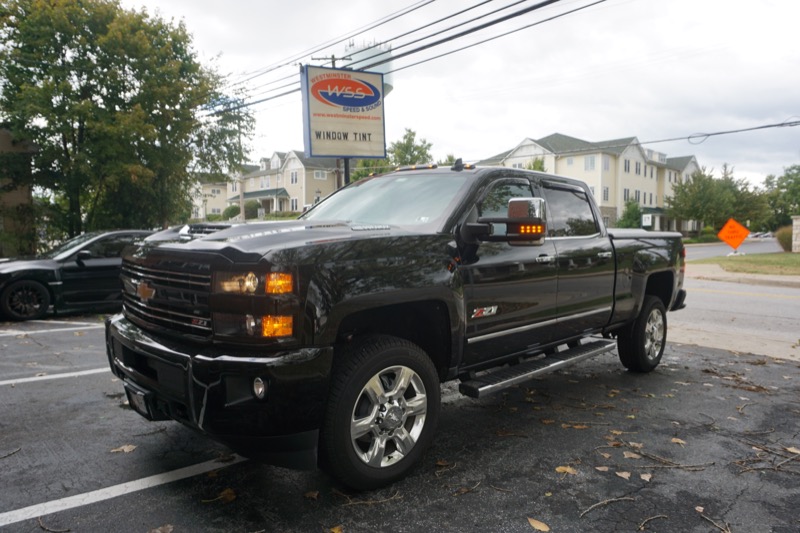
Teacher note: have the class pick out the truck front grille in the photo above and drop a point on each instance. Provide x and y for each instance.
(171, 296)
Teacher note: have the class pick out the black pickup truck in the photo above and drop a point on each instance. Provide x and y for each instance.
(324, 340)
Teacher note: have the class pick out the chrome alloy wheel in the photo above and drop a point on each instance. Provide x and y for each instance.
(654, 334)
(388, 416)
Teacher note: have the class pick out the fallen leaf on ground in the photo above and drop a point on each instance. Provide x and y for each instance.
(793, 450)
(606, 455)
(601, 468)
(537, 525)
(311, 495)
(547, 421)
(128, 448)
(163, 529)
(624, 475)
(699, 509)
(336, 529)
(226, 496)
(637, 445)
(646, 477)
(566, 470)
(442, 462)
(631, 455)
(678, 441)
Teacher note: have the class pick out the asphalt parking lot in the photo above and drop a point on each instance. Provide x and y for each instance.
(710, 441)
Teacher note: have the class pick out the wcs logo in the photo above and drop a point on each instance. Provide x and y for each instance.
(345, 92)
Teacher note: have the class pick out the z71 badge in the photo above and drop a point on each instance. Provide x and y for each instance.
(481, 312)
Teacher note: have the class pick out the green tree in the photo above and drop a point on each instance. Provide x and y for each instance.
(448, 161)
(536, 164)
(783, 197)
(701, 198)
(119, 107)
(631, 215)
(408, 151)
(365, 167)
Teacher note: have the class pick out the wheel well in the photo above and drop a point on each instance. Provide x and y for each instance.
(660, 285)
(426, 324)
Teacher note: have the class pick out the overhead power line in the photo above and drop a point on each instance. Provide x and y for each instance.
(459, 35)
(338, 40)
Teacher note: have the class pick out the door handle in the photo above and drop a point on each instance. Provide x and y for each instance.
(604, 255)
(543, 259)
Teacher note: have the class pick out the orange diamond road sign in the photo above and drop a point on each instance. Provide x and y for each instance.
(733, 234)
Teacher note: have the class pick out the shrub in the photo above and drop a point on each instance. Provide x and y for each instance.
(784, 236)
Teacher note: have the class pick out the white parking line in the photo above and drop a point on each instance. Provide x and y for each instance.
(55, 376)
(16, 332)
(79, 500)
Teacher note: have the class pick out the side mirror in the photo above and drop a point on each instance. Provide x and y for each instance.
(525, 224)
(82, 256)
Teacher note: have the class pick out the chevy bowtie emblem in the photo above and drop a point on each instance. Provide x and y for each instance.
(145, 291)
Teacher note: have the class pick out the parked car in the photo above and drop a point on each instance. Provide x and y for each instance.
(82, 273)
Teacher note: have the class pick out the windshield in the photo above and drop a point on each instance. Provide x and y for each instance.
(420, 200)
(66, 248)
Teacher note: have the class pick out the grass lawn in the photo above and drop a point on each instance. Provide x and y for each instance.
(781, 263)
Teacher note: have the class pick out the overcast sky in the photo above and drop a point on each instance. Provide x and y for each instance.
(651, 69)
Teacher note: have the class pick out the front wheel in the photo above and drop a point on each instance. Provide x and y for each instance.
(25, 300)
(641, 344)
(382, 412)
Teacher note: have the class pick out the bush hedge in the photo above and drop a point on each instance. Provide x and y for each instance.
(784, 236)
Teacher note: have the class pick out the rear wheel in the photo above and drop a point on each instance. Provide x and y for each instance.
(25, 300)
(641, 344)
(382, 412)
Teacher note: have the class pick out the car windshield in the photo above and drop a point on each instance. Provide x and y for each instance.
(417, 200)
(66, 248)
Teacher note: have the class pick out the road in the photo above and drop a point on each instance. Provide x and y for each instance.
(750, 246)
(740, 317)
(703, 443)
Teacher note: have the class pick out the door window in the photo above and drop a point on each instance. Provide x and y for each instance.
(569, 212)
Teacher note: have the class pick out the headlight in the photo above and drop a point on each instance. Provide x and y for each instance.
(238, 283)
(252, 283)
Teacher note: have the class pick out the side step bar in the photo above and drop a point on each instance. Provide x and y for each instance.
(507, 376)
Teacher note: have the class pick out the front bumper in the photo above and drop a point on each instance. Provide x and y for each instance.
(211, 390)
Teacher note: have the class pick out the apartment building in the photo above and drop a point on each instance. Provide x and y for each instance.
(617, 170)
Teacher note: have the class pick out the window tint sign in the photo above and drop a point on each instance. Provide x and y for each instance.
(342, 113)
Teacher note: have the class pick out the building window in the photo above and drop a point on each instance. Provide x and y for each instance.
(638, 168)
(234, 185)
(638, 196)
(216, 211)
(588, 162)
(606, 221)
(516, 165)
(215, 192)
(293, 179)
(592, 190)
(626, 194)
(651, 172)
(605, 194)
(320, 175)
(570, 160)
(293, 205)
(628, 166)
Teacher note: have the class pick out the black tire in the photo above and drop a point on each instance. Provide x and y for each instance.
(382, 411)
(25, 300)
(641, 345)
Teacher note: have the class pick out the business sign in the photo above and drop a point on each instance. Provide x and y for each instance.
(342, 113)
(733, 233)
(647, 220)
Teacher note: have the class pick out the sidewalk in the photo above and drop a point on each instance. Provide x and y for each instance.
(717, 273)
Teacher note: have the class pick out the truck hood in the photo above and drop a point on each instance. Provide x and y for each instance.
(262, 238)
